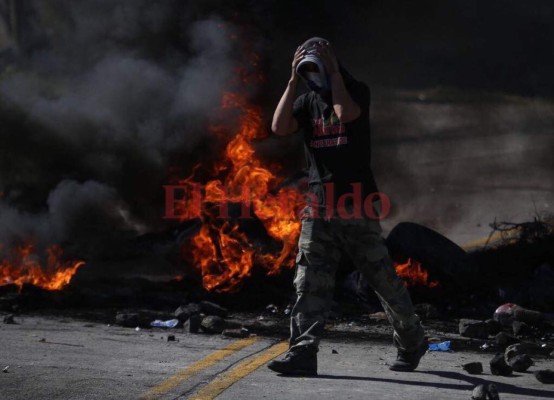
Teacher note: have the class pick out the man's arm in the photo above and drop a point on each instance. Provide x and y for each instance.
(345, 107)
(284, 122)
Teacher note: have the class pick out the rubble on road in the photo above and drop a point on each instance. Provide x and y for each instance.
(545, 376)
(128, 320)
(473, 368)
(9, 319)
(474, 329)
(192, 325)
(499, 367)
(520, 363)
(213, 324)
(485, 392)
(236, 333)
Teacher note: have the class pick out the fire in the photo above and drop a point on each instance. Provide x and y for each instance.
(24, 266)
(222, 252)
(413, 274)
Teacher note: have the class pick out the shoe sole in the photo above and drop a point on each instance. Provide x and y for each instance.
(410, 368)
(293, 373)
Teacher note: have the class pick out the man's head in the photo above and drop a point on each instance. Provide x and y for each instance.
(311, 68)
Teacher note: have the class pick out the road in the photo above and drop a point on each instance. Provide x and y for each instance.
(62, 358)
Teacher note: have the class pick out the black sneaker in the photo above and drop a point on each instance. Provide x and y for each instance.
(408, 361)
(296, 363)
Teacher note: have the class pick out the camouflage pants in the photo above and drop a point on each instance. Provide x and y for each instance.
(319, 250)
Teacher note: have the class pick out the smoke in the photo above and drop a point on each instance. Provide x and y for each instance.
(106, 98)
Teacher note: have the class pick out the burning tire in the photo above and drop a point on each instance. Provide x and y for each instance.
(443, 259)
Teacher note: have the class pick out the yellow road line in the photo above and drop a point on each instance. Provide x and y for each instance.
(204, 363)
(220, 384)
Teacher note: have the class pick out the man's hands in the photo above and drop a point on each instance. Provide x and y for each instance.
(298, 56)
(328, 57)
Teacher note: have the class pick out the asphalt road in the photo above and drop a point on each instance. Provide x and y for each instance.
(55, 358)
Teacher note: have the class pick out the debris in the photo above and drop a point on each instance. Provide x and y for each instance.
(213, 324)
(236, 333)
(473, 329)
(485, 392)
(504, 340)
(210, 308)
(378, 316)
(426, 311)
(507, 313)
(520, 363)
(288, 310)
(504, 314)
(170, 338)
(172, 323)
(128, 320)
(545, 376)
(333, 351)
(6, 368)
(499, 367)
(8, 319)
(193, 323)
(473, 368)
(442, 346)
(495, 327)
(528, 316)
(184, 312)
(522, 348)
(521, 328)
(271, 310)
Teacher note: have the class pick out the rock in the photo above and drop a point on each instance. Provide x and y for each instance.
(334, 351)
(520, 363)
(485, 392)
(473, 329)
(521, 328)
(8, 319)
(6, 368)
(128, 320)
(193, 323)
(210, 308)
(184, 312)
(473, 368)
(504, 340)
(545, 376)
(236, 333)
(213, 324)
(523, 348)
(495, 327)
(499, 367)
(170, 338)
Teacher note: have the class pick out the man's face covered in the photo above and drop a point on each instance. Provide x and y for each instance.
(312, 70)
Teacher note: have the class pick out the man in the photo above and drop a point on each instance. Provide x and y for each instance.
(334, 118)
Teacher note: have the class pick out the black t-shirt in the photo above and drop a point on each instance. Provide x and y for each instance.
(335, 152)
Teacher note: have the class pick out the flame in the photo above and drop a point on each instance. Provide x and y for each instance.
(413, 274)
(23, 266)
(223, 253)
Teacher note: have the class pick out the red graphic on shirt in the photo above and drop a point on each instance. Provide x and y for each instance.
(327, 127)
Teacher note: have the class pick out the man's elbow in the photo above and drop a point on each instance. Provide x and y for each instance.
(277, 130)
(281, 130)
